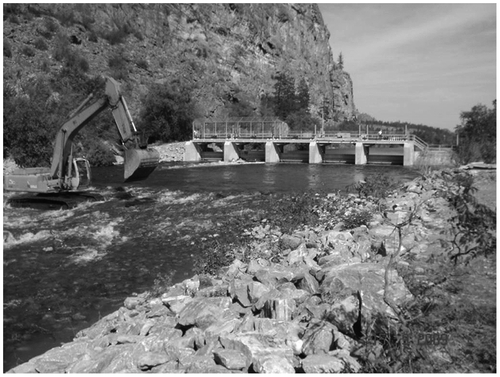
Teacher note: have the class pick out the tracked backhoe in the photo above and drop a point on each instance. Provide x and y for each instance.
(65, 182)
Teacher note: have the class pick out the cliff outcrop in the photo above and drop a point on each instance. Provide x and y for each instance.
(227, 53)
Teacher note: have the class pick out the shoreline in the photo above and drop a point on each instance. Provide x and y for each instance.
(253, 298)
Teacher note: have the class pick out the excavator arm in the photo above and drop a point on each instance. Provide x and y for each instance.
(139, 163)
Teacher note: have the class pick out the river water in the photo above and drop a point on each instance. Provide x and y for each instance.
(63, 270)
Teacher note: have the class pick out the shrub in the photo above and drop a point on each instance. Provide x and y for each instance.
(28, 132)
(354, 219)
(51, 25)
(87, 21)
(7, 49)
(161, 284)
(45, 65)
(99, 155)
(41, 45)
(167, 112)
(143, 64)
(212, 258)
(118, 65)
(66, 17)
(93, 36)
(475, 224)
(292, 211)
(118, 35)
(377, 187)
(62, 48)
(138, 35)
(14, 19)
(72, 59)
(28, 51)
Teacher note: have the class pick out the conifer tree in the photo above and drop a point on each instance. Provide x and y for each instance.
(284, 95)
(341, 61)
(303, 96)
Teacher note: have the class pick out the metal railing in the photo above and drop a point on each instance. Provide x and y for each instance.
(279, 132)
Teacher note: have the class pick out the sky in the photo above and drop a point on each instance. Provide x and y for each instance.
(420, 63)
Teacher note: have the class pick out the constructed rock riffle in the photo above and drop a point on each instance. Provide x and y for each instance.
(297, 313)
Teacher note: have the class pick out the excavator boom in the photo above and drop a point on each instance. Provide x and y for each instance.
(140, 162)
(67, 175)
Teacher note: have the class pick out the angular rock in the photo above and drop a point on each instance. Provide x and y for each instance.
(204, 312)
(257, 348)
(165, 332)
(58, 359)
(340, 287)
(219, 290)
(230, 359)
(235, 269)
(273, 364)
(257, 264)
(132, 302)
(297, 256)
(274, 275)
(213, 369)
(342, 341)
(291, 242)
(238, 289)
(312, 307)
(159, 310)
(169, 367)
(198, 364)
(176, 303)
(110, 359)
(126, 338)
(256, 290)
(323, 364)
(351, 364)
(309, 284)
(222, 327)
(318, 338)
(281, 309)
(149, 360)
(194, 336)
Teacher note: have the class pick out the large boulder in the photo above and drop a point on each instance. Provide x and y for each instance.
(344, 286)
(203, 312)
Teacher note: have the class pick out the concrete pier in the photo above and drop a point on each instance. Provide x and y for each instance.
(272, 153)
(316, 153)
(230, 152)
(409, 154)
(362, 152)
(192, 152)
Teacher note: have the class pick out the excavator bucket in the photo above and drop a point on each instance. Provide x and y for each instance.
(140, 163)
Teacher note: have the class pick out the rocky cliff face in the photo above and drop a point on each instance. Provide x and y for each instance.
(228, 53)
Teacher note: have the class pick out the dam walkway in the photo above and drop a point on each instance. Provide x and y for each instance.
(274, 143)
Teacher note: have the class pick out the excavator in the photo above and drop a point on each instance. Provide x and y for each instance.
(65, 183)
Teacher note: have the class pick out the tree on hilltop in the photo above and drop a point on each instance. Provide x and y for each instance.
(340, 62)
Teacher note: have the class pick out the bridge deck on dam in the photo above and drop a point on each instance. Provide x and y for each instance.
(308, 147)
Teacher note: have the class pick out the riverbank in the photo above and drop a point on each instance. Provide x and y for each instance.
(311, 300)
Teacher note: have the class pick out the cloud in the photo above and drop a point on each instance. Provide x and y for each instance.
(434, 57)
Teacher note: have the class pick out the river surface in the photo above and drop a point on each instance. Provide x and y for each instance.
(63, 270)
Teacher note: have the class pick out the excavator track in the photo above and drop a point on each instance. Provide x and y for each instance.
(53, 201)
